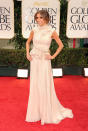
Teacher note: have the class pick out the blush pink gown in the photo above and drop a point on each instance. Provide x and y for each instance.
(43, 103)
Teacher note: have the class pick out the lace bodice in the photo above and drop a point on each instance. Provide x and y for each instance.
(42, 37)
(41, 41)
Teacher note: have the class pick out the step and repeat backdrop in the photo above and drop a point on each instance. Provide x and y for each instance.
(77, 17)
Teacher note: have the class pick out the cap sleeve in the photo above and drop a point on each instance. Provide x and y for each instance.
(52, 30)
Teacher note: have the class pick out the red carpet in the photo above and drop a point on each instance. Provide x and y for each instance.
(72, 92)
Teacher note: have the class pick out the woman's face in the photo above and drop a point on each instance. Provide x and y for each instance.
(40, 20)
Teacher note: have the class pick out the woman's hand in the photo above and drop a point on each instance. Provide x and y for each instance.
(49, 57)
(29, 57)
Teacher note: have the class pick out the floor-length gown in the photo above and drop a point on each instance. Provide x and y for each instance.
(43, 103)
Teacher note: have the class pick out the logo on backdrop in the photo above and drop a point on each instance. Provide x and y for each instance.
(6, 19)
(77, 20)
(5, 23)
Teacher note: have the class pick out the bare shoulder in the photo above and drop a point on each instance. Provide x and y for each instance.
(31, 35)
(54, 35)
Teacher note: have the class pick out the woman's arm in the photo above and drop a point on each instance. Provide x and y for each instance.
(59, 42)
(28, 46)
(60, 46)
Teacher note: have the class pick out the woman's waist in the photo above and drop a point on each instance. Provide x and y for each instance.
(40, 49)
(39, 53)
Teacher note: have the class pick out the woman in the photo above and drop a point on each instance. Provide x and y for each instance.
(43, 103)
